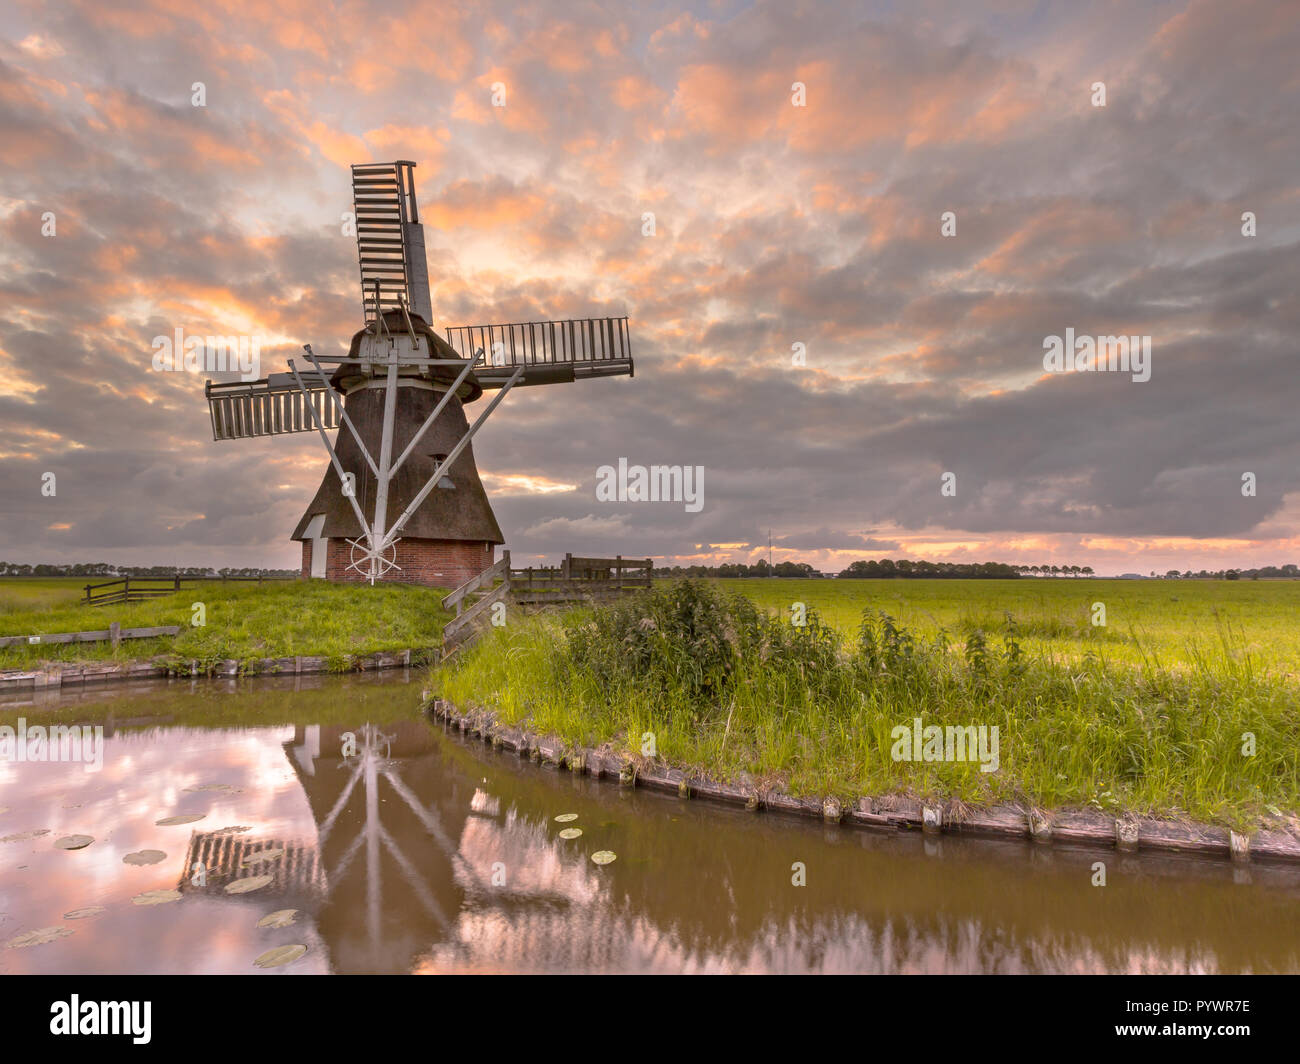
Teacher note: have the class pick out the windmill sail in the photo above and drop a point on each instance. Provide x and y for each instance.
(390, 239)
(549, 352)
(270, 407)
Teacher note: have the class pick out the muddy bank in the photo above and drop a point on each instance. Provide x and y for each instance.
(1085, 827)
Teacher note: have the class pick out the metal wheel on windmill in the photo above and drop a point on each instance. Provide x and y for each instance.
(402, 498)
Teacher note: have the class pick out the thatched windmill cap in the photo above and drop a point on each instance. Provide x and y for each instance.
(350, 374)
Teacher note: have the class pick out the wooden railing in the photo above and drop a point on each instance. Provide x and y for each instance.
(576, 579)
(498, 571)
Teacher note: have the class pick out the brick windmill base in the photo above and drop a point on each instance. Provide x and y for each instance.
(433, 562)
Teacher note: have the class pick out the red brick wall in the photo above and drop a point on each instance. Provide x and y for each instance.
(306, 559)
(435, 562)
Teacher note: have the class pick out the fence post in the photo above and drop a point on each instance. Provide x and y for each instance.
(115, 633)
(618, 572)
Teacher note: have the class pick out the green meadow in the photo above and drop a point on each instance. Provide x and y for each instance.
(1183, 704)
(244, 621)
(1173, 623)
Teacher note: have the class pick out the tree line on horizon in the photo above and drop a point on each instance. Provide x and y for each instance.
(906, 568)
(106, 569)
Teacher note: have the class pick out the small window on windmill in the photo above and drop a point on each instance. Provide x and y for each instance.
(444, 481)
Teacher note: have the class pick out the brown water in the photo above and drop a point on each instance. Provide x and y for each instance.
(423, 852)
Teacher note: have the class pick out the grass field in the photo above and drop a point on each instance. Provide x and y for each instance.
(1150, 713)
(1172, 622)
(245, 621)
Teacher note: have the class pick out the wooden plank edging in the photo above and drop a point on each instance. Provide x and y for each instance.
(100, 635)
(1082, 827)
(57, 675)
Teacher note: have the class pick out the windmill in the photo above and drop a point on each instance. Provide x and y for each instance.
(402, 498)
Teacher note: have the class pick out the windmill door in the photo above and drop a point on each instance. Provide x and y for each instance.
(319, 546)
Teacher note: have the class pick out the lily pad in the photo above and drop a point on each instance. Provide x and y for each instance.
(156, 897)
(185, 818)
(144, 857)
(565, 818)
(570, 833)
(38, 937)
(74, 842)
(273, 854)
(275, 957)
(26, 835)
(279, 918)
(604, 856)
(248, 883)
(84, 914)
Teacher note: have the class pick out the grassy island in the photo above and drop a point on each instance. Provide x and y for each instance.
(1184, 709)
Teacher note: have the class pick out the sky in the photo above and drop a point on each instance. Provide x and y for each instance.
(799, 161)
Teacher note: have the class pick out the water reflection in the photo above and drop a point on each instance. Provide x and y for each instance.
(408, 849)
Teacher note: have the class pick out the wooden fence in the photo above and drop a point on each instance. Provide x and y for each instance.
(580, 579)
(139, 588)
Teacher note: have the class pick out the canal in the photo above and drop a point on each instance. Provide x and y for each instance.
(353, 829)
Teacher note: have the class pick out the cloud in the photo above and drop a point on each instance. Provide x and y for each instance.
(775, 225)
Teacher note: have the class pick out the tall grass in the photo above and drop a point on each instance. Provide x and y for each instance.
(734, 691)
